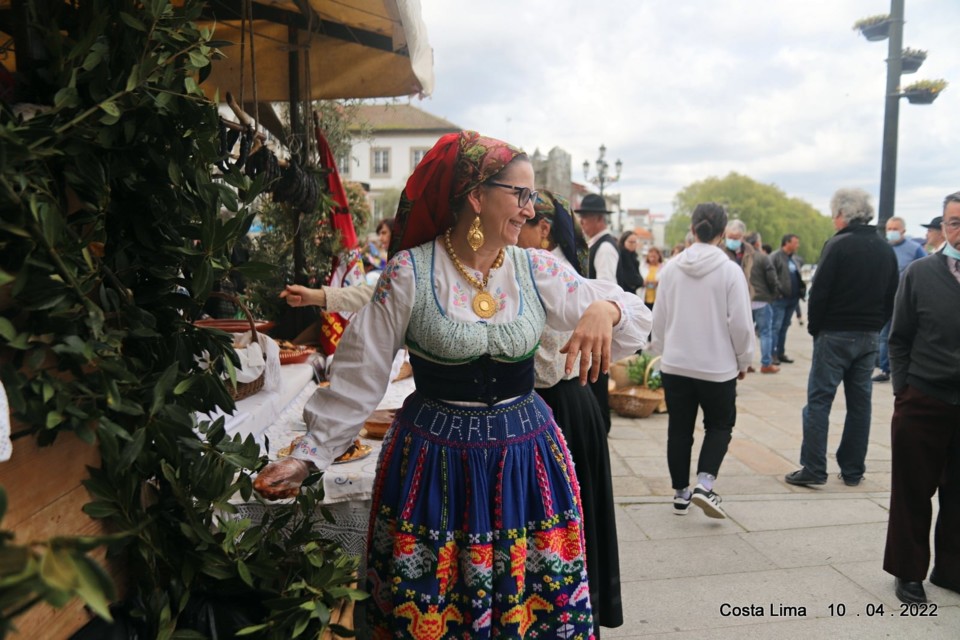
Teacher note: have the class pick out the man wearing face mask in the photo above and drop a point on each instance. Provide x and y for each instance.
(738, 250)
(924, 433)
(907, 251)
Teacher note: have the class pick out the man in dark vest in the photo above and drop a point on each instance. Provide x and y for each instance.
(604, 257)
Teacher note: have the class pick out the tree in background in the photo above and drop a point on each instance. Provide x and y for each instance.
(762, 207)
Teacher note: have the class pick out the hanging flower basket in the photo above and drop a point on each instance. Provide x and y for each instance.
(920, 96)
(924, 91)
(911, 60)
(874, 28)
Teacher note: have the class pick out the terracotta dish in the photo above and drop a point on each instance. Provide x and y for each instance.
(377, 424)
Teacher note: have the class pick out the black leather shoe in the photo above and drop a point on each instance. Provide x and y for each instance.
(803, 478)
(943, 584)
(910, 591)
(784, 358)
(850, 482)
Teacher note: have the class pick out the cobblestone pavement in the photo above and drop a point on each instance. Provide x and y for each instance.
(789, 562)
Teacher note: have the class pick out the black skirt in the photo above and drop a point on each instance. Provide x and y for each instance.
(577, 413)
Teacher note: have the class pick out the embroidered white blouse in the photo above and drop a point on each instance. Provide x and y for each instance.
(361, 370)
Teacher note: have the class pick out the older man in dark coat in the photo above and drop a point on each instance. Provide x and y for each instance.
(851, 299)
(925, 430)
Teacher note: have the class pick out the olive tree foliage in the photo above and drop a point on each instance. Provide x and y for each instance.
(112, 234)
(762, 207)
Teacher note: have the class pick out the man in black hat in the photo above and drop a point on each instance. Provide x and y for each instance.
(604, 255)
(935, 238)
(604, 258)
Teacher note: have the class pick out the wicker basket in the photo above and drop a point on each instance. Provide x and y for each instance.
(244, 389)
(637, 401)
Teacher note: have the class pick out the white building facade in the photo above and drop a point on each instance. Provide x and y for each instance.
(400, 135)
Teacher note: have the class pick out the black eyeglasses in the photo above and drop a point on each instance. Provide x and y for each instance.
(524, 195)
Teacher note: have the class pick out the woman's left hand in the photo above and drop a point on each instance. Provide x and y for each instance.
(591, 340)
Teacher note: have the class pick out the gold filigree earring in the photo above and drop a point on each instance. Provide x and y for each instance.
(475, 234)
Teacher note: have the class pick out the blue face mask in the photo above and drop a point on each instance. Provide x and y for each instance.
(894, 236)
(950, 250)
(733, 245)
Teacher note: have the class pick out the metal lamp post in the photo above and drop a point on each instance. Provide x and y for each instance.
(891, 115)
(603, 176)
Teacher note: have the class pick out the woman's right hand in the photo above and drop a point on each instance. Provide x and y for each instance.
(282, 479)
(298, 295)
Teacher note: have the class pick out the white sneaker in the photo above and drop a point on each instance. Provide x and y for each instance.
(681, 505)
(709, 501)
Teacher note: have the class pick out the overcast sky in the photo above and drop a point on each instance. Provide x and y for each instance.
(782, 91)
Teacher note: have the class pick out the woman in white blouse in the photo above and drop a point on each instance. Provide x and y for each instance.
(577, 412)
(476, 525)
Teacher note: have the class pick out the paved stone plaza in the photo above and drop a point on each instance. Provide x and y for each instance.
(809, 554)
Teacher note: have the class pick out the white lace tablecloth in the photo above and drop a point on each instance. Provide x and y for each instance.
(347, 487)
(341, 482)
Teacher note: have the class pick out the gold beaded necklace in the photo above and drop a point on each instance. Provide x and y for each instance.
(484, 304)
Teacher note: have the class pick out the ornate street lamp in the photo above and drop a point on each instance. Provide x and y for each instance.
(602, 177)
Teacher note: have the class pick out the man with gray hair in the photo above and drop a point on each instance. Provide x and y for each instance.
(850, 300)
(925, 429)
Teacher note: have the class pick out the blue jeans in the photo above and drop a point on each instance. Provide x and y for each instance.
(883, 357)
(783, 310)
(848, 357)
(763, 319)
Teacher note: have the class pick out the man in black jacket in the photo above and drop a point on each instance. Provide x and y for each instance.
(850, 300)
(792, 289)
(925, 429)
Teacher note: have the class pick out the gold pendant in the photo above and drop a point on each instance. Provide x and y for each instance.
(484, 305)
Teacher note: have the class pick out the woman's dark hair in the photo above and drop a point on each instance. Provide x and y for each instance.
(623, 239)
(709, 219)
(386, 222)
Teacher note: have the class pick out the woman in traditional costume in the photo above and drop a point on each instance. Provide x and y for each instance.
(476, 528)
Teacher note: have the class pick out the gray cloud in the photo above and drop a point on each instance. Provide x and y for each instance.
(786, 93)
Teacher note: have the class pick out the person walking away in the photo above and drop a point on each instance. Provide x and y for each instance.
(851, 298)
(703, 329)
(603, 260)
(650, 270)
(907, 251)
(925, 429)
(476, 515)
(792, 289)
(765, 288)
(577, 413)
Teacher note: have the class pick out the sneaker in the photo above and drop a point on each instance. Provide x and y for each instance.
(850, 482)
(709, 501)
(883, 376)
(803, 478)
(681, 506)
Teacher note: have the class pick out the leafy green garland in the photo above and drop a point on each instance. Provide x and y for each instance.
(109, 214)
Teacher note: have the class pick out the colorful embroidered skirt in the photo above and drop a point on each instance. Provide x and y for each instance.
(475, 530)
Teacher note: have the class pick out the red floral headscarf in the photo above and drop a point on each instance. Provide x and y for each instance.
(457, 163)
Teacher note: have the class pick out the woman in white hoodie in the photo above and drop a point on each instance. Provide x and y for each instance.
(703, 328)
